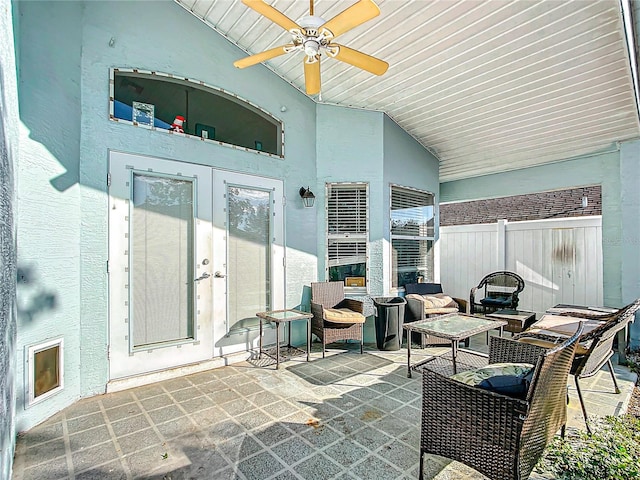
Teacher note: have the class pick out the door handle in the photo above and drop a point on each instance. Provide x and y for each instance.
(219, 274)
(202, 277)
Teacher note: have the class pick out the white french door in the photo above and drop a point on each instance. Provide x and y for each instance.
(192, 256)
(249, 239)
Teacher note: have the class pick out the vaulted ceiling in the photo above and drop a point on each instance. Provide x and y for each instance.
(485, 85)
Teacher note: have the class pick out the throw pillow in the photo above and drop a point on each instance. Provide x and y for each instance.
(474, 377)
(512, 385)
(439, 300)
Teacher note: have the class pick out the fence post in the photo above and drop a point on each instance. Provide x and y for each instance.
(501, 247)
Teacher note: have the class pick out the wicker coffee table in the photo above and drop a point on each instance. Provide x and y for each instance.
(454, 327)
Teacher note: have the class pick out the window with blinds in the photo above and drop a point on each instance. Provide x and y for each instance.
(347, 233)
(412, 236)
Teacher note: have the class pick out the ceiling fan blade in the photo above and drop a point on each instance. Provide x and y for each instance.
(263, 56)
(358, 59)
(353, 16)
(312, 76)
(272, 14)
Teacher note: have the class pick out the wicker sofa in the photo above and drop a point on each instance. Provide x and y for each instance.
(426, 300)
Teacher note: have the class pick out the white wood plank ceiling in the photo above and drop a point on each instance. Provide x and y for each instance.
(486, 85)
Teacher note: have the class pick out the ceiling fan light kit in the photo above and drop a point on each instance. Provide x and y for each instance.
(313, 36)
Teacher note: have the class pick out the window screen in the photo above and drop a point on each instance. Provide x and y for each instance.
(412, 236)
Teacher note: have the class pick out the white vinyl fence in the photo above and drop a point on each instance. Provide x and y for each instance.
(560, 260)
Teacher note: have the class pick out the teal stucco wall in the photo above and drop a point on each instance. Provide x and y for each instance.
(9, 142)
(350, 149)
(63, 193)
(408, 164)
(629, 242)
(365, 146)
(49, 211)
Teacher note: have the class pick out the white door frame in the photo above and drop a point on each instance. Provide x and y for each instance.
(210, 293)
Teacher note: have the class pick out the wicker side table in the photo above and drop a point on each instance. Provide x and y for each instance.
(284, 316)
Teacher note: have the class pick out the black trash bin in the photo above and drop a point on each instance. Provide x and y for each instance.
(389, 319)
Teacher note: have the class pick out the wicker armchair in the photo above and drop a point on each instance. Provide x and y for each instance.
(500, 436)
(417, 310)
(595, 347)
(334, 316)
(499, 290)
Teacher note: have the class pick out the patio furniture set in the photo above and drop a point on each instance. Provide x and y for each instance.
(501, 409)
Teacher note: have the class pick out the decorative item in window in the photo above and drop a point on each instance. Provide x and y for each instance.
(205, 131)
(258, 145)
(354, 281)
(178, 123)
(143, 113)
(308, 198)
(45, 370)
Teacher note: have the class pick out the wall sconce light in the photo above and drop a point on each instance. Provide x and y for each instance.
(307, 197)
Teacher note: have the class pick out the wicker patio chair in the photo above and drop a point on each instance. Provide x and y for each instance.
(334, 316)
(595, 347)
(499, 290)
(419, 309)
(500, 436)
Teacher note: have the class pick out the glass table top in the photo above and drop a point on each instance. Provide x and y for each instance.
(284, 315)
(455, 325)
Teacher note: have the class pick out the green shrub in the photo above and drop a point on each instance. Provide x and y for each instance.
(612, 452)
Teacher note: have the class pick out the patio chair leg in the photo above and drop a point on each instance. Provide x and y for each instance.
(420, 474)
(584, 410)
(323, 348)
(613, 377)
(563, 431)
(361, 346)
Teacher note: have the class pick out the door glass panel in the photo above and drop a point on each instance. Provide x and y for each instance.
(162, 259)
(248, 255)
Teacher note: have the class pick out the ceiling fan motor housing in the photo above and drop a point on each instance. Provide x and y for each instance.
(311, 22)
(310, 38)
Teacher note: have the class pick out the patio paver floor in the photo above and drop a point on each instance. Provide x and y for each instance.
(346, 416)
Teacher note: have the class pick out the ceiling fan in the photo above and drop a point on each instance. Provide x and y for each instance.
(314, 36)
